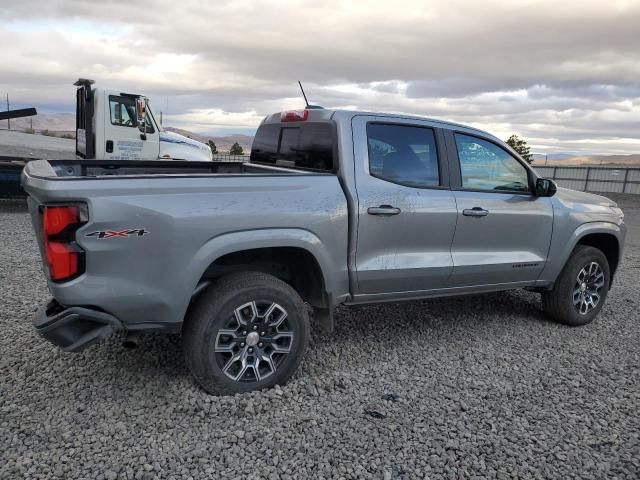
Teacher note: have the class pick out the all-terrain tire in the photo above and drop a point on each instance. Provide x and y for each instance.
(239, 313)
(560, 302)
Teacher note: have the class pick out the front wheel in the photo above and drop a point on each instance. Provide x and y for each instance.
(580, 289)
(247, 331)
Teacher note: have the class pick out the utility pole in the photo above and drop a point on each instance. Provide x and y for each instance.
(8, 119)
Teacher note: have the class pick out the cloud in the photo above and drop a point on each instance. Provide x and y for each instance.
(558, 73)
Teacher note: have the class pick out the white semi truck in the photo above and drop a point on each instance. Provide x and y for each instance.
(112, 125)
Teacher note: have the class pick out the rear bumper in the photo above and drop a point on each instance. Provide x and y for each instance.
(74, 328)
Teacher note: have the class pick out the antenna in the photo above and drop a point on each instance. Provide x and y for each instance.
(308, 107)
(305, 97)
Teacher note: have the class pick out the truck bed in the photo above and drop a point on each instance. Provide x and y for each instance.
(63, 169)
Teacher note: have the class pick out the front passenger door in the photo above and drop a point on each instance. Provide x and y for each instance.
(503, 230)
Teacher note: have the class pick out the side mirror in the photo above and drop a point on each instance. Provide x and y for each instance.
(545, 187)
(141, 116)
(141, 112)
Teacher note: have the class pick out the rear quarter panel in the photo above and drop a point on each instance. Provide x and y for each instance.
(191, 222)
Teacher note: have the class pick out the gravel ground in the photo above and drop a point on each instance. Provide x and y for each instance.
(480, 387)
(22, 144)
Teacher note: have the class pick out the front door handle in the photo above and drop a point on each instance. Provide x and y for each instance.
(384, 210)
(475, 212)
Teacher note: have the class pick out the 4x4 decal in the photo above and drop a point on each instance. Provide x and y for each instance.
(127, 232)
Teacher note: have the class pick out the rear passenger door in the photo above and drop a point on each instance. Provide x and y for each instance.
(503, 231)
(406, 211)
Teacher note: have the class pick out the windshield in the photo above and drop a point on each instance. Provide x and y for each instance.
(153, 117)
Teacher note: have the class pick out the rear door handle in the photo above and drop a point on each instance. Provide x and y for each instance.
(475, 212)
(384, 210)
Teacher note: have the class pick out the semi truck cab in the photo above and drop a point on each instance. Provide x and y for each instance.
(113, 125)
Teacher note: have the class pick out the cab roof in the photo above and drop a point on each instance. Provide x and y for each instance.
(322, 114)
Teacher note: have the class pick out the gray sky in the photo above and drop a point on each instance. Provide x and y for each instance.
(565, 75)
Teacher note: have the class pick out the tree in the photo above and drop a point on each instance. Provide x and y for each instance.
(236, 149)
(520, 146)
(212, 146)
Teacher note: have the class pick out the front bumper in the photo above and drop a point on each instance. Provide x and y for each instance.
(74, 328)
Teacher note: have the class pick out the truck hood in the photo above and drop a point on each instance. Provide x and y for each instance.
(174, 145)
(569, 197)
(587, 206)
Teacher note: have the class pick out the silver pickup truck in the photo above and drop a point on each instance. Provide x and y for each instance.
(334, 207)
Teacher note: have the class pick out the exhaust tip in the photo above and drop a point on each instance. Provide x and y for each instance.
(131, 341)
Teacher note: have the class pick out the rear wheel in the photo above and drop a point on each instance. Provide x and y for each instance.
(248, 331)
(581, 288)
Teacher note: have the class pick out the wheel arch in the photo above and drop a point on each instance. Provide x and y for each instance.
(296, 256)
(607, 237)
(608, 244)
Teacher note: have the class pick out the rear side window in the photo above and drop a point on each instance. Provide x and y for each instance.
(307, 146)
(403, 154)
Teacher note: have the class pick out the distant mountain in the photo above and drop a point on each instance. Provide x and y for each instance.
(552, 156)
(59, 124)
(55, 122)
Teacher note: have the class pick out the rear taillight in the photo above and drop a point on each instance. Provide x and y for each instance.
(61, 254)
(294, 116)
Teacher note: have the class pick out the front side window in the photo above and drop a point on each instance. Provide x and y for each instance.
(403, 154)
(123, 113)
(486, 166)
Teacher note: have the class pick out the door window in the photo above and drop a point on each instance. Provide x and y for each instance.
(485, 166)
(403, 154)
(123, 111)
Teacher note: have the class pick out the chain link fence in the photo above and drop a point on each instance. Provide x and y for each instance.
(225, 157)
